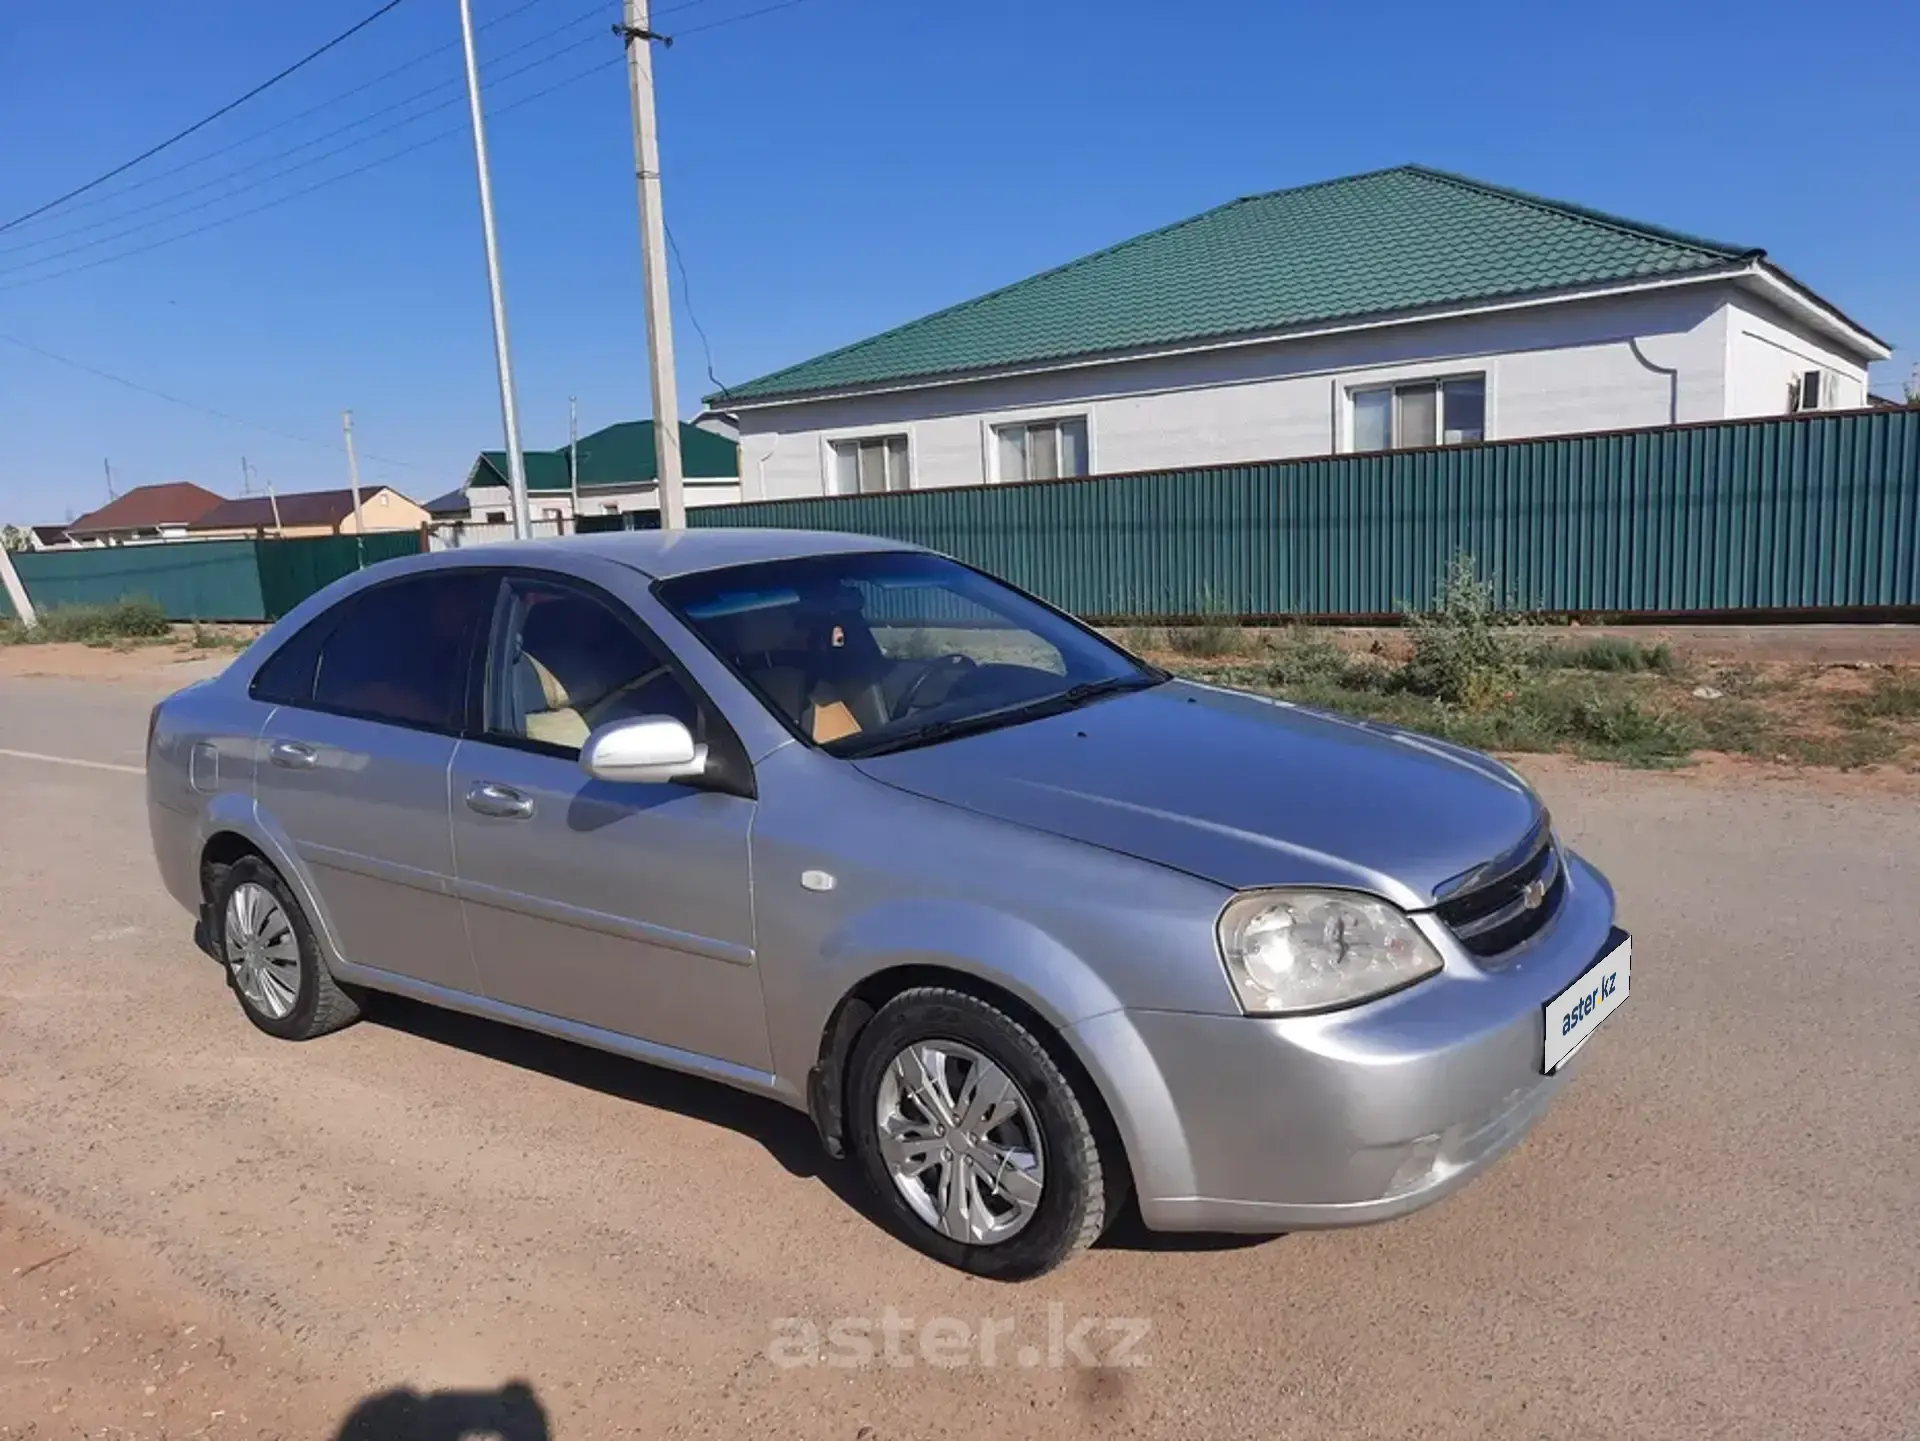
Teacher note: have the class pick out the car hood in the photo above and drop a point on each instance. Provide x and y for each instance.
(1237, 788)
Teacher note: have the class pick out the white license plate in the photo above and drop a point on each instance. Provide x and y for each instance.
(1576, 1013)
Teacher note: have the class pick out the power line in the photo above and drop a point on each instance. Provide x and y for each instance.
(277, 201)
(120, 192)
(300, 115)
(686, 295)
(225, 415)
(351, 173)
(207, 120)
(307, 164)
(736, 19)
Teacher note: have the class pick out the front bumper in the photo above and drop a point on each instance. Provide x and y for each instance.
(1240, 1123)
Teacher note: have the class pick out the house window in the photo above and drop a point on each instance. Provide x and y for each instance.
(1452, 411)
(1042, 449)
(870, 465)
(496, 517)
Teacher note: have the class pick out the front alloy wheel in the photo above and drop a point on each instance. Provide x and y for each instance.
(974, 1141)
(961, 1142)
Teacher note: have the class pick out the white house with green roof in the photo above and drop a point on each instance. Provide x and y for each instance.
(1392, 310)
(617, 476)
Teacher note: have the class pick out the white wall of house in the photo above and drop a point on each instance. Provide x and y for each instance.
(1638, 358)
(1767, 353)
(489, 500)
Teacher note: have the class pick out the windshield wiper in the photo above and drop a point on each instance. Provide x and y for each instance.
(1071, 698)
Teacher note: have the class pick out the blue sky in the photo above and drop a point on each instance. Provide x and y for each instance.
(831, 168)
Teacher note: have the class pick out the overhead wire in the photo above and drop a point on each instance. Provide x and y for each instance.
(311, 161)
(206, 120)
(322, 184)
(225, 415)
(299, 115)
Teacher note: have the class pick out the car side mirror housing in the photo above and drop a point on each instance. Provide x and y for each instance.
(650, 750)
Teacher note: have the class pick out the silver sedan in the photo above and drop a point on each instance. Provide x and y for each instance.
(1028, 927)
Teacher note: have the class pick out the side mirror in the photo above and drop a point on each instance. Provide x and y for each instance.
(652, 749)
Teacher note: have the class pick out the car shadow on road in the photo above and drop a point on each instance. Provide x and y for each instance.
(787, 1135)
(512, 1413)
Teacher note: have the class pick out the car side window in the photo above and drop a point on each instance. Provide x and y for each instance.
(402, 653)
(286, 676)
(570, 664)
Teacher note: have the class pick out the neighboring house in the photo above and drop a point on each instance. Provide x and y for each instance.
(309, 513)
(1393, 310)
(48, 537)
(145, 513)
(617, 476)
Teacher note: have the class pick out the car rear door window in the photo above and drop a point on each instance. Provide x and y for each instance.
(403, 653)
(286, 676)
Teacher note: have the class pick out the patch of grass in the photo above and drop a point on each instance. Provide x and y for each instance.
(1209, 638)
(206, 637)
(1737, 727)
(1614, 653)
(130, 618)
(1847, 751)
(1895, 696)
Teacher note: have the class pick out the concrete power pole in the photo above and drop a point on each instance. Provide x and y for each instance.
(353, 478)
(502, 359)
(247, 476)
(573, 458)
(16, 592)
(653, 256)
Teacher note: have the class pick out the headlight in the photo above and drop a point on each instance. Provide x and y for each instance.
(1294, 951)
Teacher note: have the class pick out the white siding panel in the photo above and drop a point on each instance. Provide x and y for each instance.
(1767, 352)
(1631, 360)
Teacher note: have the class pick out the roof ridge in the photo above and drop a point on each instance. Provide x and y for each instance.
(1585, 213)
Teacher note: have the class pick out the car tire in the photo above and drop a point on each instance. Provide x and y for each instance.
(1074, 1192)
(263, 939)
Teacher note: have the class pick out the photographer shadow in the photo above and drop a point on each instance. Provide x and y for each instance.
(511, 1413)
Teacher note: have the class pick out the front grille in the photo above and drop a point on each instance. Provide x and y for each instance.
(1489, 913)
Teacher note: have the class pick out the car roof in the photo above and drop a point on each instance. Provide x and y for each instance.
(666, 554)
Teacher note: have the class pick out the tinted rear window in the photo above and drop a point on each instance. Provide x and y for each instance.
(403, 652)
(287, 676)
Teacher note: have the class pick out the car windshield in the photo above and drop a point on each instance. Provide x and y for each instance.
(875, 651)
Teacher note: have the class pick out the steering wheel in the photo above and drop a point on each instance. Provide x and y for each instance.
(952, 665)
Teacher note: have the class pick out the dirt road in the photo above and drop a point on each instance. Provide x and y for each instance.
(204, 1232)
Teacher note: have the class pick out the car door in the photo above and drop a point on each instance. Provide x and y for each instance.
(354, 760)
(623, 906)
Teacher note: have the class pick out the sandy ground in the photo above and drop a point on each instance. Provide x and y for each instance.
(441, 1227)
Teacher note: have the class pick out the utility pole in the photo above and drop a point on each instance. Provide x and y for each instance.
(573, 458)
(247, 474)
(653, 257)
(503, 361)
(16, 592)
(353, 477)
(109, 468)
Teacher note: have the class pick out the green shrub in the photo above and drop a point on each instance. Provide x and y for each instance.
(1462, 651)
(130, 618)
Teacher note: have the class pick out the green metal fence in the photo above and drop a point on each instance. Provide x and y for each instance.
(238, 580)
(1813, 512)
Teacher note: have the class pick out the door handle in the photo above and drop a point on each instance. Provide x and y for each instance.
(503, 802)
(293, 755)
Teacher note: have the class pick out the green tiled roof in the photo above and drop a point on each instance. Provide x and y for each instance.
(619, 455)
(1387, 242)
